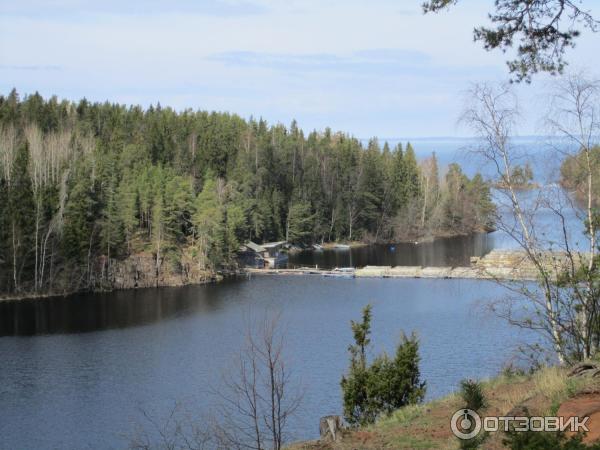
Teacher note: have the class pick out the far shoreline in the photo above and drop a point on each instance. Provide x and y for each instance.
(217, 276)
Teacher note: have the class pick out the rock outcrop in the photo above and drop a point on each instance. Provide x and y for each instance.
(140, 271)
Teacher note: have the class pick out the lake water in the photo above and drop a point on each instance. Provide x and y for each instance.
(455, 251)
(76, 371)
(97, 359)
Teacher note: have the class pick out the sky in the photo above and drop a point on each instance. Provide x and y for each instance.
(367, 68)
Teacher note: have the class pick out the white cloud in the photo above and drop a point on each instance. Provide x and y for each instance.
(377, 68)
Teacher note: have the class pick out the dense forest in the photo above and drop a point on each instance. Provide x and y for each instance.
(85, 185)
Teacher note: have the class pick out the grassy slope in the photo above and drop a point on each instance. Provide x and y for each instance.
(427, 426)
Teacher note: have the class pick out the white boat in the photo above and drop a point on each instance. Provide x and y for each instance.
(344, 269)
(339, 275)
(341, 247)
(317, 247)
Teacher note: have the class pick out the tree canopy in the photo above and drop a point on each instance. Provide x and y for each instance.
(540, 30)
(87, 184)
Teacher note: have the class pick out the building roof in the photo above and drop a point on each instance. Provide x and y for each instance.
(273, 244)
(254, 247)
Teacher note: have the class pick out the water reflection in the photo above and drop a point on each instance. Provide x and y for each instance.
(91, 312)
(455, 251)
(84, 390)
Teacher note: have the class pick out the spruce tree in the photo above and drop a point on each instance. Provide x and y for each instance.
(21, 213)
(411, 179)
(300, 223)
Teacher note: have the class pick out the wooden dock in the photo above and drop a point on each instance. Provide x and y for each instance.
(498, 264)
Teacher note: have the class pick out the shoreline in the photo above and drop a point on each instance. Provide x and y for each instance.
(214, 278)
(131, 273)
(499, 265)
(504, 265)
(421, 239)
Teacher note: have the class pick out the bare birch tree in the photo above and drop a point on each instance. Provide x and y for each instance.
(47, 157)
(563, 306)
(258, 397)
(8, 150)
(575, 115)
(254, 403)
(35, 141)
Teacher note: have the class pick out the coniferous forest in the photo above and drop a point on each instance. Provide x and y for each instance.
(86, 185)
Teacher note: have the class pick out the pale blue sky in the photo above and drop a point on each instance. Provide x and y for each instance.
(369, 68)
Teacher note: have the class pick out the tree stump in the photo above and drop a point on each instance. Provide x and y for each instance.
(330, 428)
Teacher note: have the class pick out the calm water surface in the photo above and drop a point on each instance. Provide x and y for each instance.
(97, 359)
(455, 251)
(75, 372)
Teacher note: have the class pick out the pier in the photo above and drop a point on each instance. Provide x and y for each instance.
(496, 265)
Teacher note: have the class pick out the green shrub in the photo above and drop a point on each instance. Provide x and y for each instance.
(472, 394)
(385, 385)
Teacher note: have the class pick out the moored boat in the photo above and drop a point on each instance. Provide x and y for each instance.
(341, 247)
(339, 275)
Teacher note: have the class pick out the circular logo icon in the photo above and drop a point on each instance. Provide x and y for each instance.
(465, 424)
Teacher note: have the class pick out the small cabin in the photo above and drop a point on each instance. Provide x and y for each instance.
(269, 255)
(251, 254)
(273, 248)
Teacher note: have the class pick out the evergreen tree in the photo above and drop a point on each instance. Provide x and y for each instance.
(111, 225)
(123, 180)
(79, 236)
(21, 213)
(208, 221)
(398, 179)
(371, 188)
(300, 223)
(128, 207)
(372, 390)
(234, 227)
(411, 178)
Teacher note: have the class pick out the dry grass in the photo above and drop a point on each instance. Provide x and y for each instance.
(428, 425)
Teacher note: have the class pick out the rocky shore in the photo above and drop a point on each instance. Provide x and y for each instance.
(136, 271)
